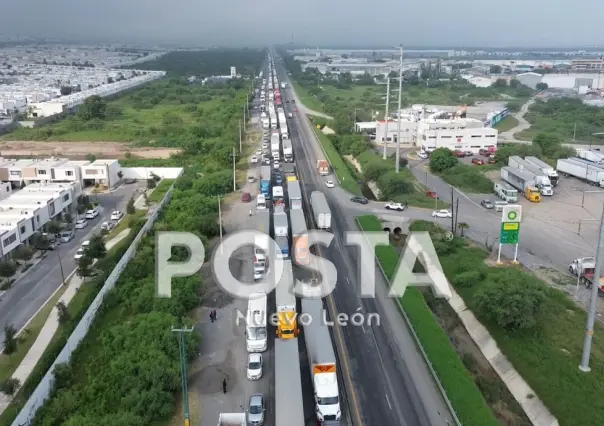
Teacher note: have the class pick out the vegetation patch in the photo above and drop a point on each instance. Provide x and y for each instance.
(467, 401)
(308, 100)
(539, 329)
(160, 190)
(559, 116)
(508, 123)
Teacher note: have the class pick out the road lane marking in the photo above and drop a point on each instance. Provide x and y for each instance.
(388, 401)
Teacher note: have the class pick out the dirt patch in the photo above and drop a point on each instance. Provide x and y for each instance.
(354, 162)
(79, 150)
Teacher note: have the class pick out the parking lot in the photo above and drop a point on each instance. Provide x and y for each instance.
(30, 292)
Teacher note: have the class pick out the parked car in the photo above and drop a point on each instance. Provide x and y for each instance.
(477, 161)
(442, 214)
(255, 410)
(116, 215)
(395, 206)
(360, 200)
(423, 155)
(81, 224)
(491, 160)
(246, 197)
(251, 179)
(254, 159)
(258, 151)
(330, 184)
(468, 153)
(254, 366)
(459, 153)
(67, 236)
(487, 204)
(82, 250)
(107, 226)
(432, 194)
(91, 214)
(484, 152)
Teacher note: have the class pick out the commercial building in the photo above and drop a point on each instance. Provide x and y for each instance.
(463, 134)
(587, 64)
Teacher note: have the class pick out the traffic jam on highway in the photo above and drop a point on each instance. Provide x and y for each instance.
(279, 202)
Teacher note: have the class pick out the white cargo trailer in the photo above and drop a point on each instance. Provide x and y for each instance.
(295, 195)
(549, 171)
(289, 407)
(280, 224)
(321, 211)
(573, 167)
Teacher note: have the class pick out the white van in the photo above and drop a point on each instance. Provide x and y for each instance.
(260, 202)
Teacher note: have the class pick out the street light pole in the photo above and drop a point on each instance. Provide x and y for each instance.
(183, 370)
(398, 125)
(385, 141)
(220, 222)
(595, 287)
(234, 156)
(240, 143)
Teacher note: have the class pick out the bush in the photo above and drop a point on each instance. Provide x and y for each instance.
(468, 279)
(513, 305)
(392, 184)
(10, 386)
(442, 159)
(468, 178)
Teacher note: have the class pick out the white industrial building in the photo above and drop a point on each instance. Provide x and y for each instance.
(26, 211)
(529, 79)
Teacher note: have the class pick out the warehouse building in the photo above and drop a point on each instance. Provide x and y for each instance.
(529, 79)
(459, 134)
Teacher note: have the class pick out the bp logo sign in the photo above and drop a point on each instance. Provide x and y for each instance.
(512, 215)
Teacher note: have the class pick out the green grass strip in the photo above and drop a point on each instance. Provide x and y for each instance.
(466, 399)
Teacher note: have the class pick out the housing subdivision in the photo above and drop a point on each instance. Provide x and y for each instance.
(34, 192)
(42, 80)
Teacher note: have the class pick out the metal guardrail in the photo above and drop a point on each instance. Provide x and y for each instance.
(44, 388)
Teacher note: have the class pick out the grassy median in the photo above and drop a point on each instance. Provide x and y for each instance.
(467, 400)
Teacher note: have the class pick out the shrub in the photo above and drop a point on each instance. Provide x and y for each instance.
(468, 279)
(442, 159)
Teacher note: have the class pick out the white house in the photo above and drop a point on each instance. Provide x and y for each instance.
(71, 171)
(103, 172)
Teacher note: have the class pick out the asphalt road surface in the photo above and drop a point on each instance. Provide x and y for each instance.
(385, 378)
(29, 294)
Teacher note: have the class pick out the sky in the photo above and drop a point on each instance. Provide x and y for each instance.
(324, 23)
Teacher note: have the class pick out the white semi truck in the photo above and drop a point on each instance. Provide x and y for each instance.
(232, 419)
(545, 168)
(592, 174)
(541, 180)
(322, 360)
(321, 211)
(275, 145)
(288, 151)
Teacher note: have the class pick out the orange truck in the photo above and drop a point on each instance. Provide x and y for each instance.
(323, 167)
(300, 252)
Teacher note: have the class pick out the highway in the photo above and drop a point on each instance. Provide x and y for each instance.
(385, 379)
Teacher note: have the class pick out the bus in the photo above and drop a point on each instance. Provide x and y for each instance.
(255, 327)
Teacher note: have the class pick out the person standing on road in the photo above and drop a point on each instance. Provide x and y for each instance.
(212, 316)
(224, 385)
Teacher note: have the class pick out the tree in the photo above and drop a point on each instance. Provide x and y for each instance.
(542, 86)
(85, 266)
(514, 83)
(94, 107)
(24, 253)
(513, 304)
(96, 249)
(146, 199)
(442, 159)
(150, 183)
(92, 159)
(548, 144)
(462, 226)
(120, 174)
(10, 339)
(7, 268)
(392, 184)
(130, 206)
(10, 386)
(68, 218)
(495, 69)
(500, 82)
(66, 90)
(53, 227)
(63, 313)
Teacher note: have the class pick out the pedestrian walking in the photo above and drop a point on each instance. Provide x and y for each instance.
(212, 316)
(223, 385)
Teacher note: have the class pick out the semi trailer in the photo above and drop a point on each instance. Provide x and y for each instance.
(522, 181)
(591, 174)
(545, 168)
(299, 246)
(320, 209)
(539, 178)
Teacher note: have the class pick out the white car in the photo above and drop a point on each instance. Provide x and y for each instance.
(107, 226)
(116, 215)
(254, 366)
(91, 214)
(258, 151)
(423, 155)
(276, 164)
(395, 206)
(254, 159)
(81, 224)
(330, 184)
(442, 214)
(82, 250)
(265, 145)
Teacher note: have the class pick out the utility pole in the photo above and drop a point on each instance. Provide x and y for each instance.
(453, 217)
(398, 125)
(385, 141)
(456, 215)
(183, 370)
(220, 223)
(591, 317)
(234, 156)
(575, 131)
(240, 143)
(244, 117)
